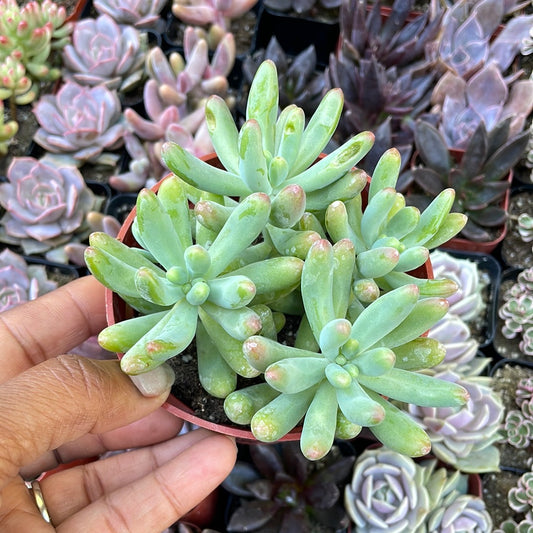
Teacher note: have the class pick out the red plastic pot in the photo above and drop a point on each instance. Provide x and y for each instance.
(117, 310)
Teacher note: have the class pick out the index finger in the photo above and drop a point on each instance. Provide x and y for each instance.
(51, 325)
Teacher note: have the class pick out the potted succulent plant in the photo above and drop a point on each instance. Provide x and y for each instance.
(276, 239)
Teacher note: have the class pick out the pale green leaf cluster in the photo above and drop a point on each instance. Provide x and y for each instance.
(277, 230)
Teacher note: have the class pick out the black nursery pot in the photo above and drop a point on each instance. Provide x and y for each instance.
(295, 34)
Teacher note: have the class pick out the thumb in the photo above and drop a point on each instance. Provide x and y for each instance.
(64, 398)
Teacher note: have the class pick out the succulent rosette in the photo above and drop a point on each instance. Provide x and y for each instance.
(45, 204)
(80, 122)
(465, 436)
(387, 493)
(138, 13)
(102, 52)
(20, 282)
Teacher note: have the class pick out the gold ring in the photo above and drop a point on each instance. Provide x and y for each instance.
(35, 491)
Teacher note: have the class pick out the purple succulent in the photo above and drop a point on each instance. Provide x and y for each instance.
(464, 436)
(80, 122)
(45, 204)
(387, 493)
(139, 13)
(485, 97)
(20, 282)
(102, 52)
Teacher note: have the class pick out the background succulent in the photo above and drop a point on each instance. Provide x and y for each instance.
(310, 8)
(45, 205)
(517, 311)
(30, 33)
(525, 226)
(21, 282)
(465, 436)
(466, 42)
(520, 498)
(102, 52)
(280, 490)
(479, 176)
(142, 14)
(487, 97)
(80, 122)
(8, 129)
(299, 80)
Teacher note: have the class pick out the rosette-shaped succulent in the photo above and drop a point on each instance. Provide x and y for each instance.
(485, 97)
(175, 286)
(465, 436)
(517, 311)
(452, 509)
(300, 82)
(282, 491)
(480, 178)
(102, 52)
(521, 497)
(387, 493)
(525, 226)
(467, 29)
(187, 80)
(139, 13)
(338, 373)
(80, 122)
(45, 204)
(307, 7)
(467, 302)
(461, 349)
(518, 426)
(20, 282)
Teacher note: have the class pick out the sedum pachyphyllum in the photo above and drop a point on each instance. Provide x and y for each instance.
(184, 290)
(343, 387)
(260, 245)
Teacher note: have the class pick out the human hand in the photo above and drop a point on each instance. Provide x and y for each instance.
(66, 407)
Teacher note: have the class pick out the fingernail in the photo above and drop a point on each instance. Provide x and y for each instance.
(155, 382)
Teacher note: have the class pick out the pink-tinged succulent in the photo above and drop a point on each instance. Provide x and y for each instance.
(80, 122)
(102, 52)
(147, 136)
(465, 436)
(191, 78)
(467, 30)
(8, 129)
(139, 13)
(211, 12)
(485, 97)
(20, 282)
(45, 204)
(461, 349)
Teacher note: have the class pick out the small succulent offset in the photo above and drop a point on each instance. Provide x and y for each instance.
(21, 282)
(525, 226)
(8, 129)
(391, 492)
(479, 178)
(80, 123)
(102, 52)
(518, 425)
(359, 310)
(45, 204)
(517, 311)
(142, 14)
(280, 490)
(520, 500)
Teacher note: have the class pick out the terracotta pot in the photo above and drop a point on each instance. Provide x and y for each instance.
(117, 310)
